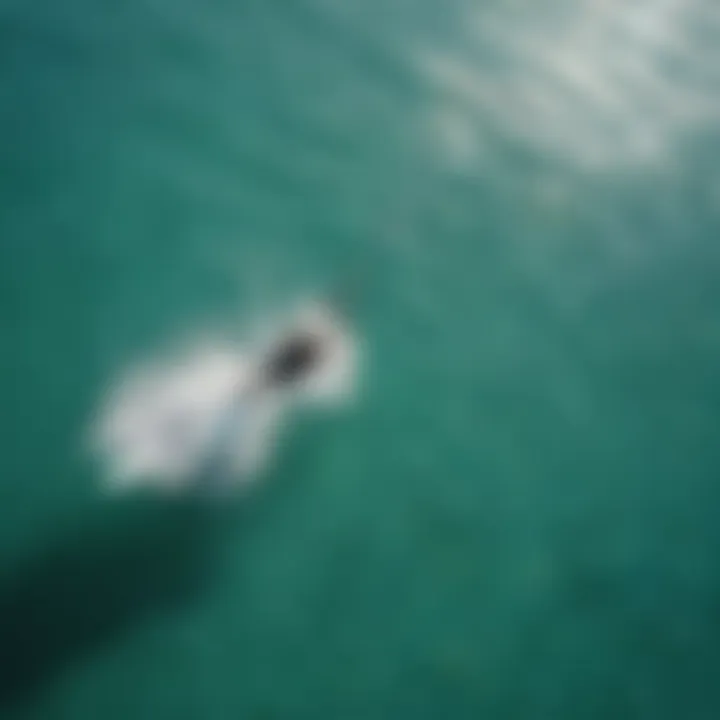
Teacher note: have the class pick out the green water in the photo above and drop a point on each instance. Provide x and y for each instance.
(519, 519)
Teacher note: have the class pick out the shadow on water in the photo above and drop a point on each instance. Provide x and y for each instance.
(91, 584)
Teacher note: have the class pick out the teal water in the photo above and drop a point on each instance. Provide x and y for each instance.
(519, 520)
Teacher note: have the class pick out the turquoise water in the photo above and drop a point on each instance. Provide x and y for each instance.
(519, 520)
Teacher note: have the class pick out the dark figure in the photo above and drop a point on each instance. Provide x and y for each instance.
(294, 359)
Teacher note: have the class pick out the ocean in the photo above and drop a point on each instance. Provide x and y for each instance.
(518, 517)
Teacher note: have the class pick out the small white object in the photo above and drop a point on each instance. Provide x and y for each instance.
(165, 423)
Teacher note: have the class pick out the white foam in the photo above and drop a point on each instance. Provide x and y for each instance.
(161, 419)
